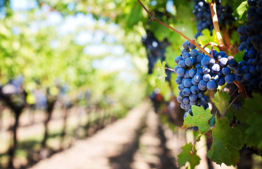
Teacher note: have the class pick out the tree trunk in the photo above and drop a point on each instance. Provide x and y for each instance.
(13, 147)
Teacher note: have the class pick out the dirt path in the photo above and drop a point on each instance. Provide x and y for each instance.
(102, 150)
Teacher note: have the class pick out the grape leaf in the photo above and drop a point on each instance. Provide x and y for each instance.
(187, 155)
(160, 78)
(241, 9)
(226, 144)
(239, 56)
(254, 132)
(200, 118)
(250, 106)
(254, 104)
(221, 100)
(242, 114)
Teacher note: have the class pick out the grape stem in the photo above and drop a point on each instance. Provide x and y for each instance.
(152, 18)
(230, 106)
(216, 26)
(169, 69)
(227, 39)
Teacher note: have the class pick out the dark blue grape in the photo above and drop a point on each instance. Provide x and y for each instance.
(211, 85)
(194, 89)
(181, 72)
(229, 78)
(188, 83)
(186, 92)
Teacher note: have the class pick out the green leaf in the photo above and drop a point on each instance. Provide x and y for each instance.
(226, 143)
(221, 100)
(208, 1)
(241, 9)
(200, 118)
(188, 155)
(161, 74)
(242, 114)
(250, 106)
(254, 132)
(254, 104)
(239, 56)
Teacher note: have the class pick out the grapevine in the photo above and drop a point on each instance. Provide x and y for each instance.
(236, 81)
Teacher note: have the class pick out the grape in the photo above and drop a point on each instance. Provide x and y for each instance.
(232, 64)
(223, 62)
(204, 99)
(205, 61)
(229, 78)
(193, 97)
(179, 99)
(189, 62)
(186, 45)
(182, 105)
(253, 71)
(182, 64)
(185, 55)
(194, 89)
(192, 73)
(186, 100)
(211, 85)
(180, 72)
(225, 70)
(207, 77)
(215, 68)
(247, 77)
(206, 69)
(187, 83)
(186, 91)
(193, 103)
(200, 95)
(178, 80)
(194, 82)
(239, 71)
(194, 52)
(181, 87)
(198, 77)
(203, 84)
(221, 81)
(176, 68)
(177, 59)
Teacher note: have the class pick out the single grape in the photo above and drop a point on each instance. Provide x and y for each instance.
(186, 92)
(229, 78)
(211, 85)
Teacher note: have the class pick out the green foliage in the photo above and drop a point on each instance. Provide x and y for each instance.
(239, 56)
(200, 118)
(253, 131)
(250, 105)
(188, 155)
(160, 78)
(226, 143)
(241, 9)
(221, 100)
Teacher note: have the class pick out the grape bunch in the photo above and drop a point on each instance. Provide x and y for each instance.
(197, 73)
(249, 70)
(204, 18)
(155, 51)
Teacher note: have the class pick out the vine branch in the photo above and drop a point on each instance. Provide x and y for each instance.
(152, 18)
(169, 69)
(216, 26)
(230, 106)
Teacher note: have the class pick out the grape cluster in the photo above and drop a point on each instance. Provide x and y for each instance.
(197, 72)
(204, 18)
(249, 70)
(155, 51)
